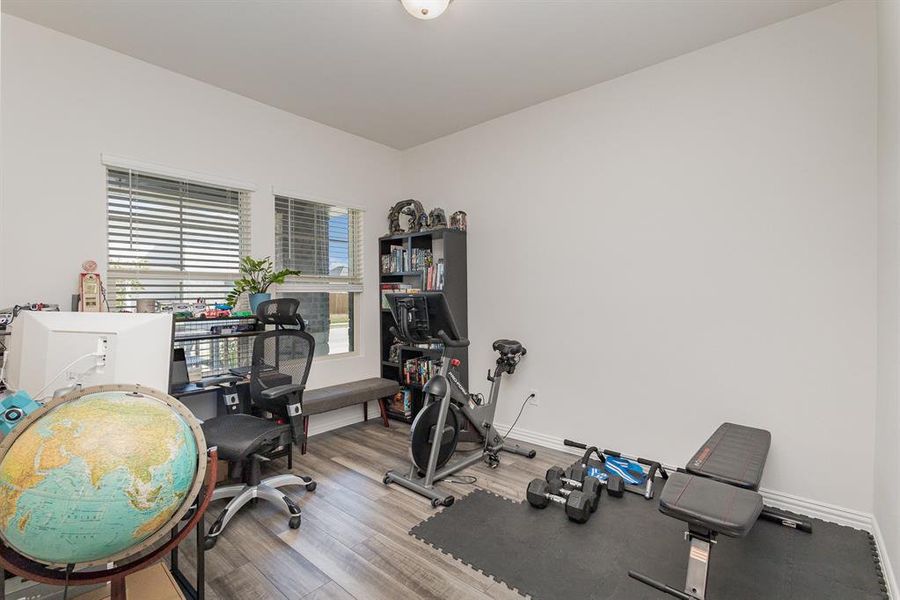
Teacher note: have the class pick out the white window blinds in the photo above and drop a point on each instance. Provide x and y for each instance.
(322, 241)
(171, 239)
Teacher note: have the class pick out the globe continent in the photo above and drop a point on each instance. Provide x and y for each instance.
(94, 477)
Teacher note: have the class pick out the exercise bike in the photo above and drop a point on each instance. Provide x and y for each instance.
(425, 318)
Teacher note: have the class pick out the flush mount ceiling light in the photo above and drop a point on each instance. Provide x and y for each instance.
(425, 9)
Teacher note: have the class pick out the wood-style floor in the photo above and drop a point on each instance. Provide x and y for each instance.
(354, 540)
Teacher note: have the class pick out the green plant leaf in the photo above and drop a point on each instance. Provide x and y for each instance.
(256, 277)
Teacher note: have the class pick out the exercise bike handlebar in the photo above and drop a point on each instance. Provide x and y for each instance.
(450, 342)
(445, 339)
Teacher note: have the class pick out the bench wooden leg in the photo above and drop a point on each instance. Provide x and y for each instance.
(305, 434)
(382, 407)
(365, 411)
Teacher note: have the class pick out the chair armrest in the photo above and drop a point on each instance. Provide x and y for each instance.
(281, 390)
(286, 400)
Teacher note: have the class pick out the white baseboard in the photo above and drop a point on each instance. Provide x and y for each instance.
(819, 510)
(889, 578)
(804, 506)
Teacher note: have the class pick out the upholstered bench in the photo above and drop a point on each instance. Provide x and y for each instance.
(333, 397)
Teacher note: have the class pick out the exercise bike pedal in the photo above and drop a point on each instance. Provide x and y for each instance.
(446, 501)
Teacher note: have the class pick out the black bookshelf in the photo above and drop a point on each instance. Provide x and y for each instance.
(448, 245)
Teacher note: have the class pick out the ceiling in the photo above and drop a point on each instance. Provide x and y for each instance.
(366, 67)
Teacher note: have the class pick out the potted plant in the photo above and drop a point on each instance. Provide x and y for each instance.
(256, 277)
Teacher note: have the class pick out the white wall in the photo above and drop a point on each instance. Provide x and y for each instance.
(66, 101)
(687, 244)
(690, 243)
(887, 432)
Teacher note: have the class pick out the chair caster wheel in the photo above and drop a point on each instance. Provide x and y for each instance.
(311, 486)
(210, 542)
(294, 522)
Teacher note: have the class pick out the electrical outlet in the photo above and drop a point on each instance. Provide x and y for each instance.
(535, 398)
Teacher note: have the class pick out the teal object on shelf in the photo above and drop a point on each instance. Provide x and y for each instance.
(257, 299)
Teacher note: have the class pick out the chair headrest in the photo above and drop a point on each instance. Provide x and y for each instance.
(280, 311)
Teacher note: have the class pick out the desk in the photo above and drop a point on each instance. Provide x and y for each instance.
(214, 346)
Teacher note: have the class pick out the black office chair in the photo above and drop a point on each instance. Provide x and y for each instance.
(244, 440)
(283, 313)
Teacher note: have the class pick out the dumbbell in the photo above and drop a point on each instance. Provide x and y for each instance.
(615, 485)
(590, 487)
(578, 506)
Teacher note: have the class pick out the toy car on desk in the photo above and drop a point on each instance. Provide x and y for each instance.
(219, 311)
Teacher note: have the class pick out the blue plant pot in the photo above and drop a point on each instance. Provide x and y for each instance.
(257, 299)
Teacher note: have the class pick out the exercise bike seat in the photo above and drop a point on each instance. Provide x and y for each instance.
(509, 347)
(711, 505)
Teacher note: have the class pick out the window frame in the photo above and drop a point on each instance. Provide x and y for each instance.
(179, 177)
(354, 285)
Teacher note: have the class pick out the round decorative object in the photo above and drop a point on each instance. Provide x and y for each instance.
(459, 220)
(411, 208)
(437, 219)
(99, 475)
(425, 9)
(89, 266)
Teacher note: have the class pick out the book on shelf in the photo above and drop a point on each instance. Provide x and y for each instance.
(395, 260)
(395, 288)
(421, 259)
(418, 370)
(400, 260)
(434, 276)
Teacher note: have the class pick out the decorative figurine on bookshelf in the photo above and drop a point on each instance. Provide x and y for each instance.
(437, 219)
(458, 220)
(394, 351)
(412, 209)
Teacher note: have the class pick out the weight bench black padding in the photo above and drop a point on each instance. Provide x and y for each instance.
(333, 397)
(717, 493)
(709, 507)
(734, 454)
(708, 504)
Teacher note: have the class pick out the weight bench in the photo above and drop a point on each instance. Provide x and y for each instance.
(333, 397)
(709, 508)
(736, 455)
(716, 493)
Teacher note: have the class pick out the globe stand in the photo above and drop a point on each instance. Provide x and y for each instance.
(24, 567)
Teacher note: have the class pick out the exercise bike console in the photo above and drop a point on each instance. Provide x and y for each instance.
(425, 318)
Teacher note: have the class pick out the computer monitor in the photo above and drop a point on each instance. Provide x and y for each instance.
(54, 350)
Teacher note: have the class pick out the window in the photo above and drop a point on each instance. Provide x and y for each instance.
(324, 243)
(174, 240)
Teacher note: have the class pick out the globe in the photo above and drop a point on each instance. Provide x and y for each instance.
(98, 475)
